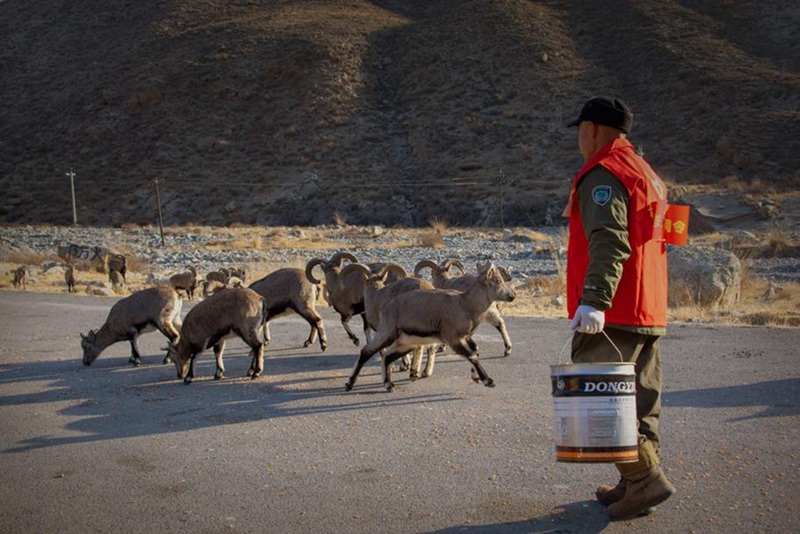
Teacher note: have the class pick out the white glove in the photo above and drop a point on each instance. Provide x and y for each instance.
(588, 320)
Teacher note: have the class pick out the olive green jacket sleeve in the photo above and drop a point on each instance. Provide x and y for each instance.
(603, 205)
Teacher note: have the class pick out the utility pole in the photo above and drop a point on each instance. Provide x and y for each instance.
(160, 217)
(71, 175)
(501, 181)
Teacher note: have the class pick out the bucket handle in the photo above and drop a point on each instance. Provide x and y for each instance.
(569, 339)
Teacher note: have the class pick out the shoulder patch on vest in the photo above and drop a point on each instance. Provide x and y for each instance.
(601, 194)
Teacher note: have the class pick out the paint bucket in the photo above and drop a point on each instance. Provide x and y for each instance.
(594, 412)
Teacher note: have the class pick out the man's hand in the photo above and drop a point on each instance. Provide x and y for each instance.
(588, 320)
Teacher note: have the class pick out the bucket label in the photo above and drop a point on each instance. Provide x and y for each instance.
(586, 385)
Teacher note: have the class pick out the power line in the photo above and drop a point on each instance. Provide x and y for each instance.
(365, 185)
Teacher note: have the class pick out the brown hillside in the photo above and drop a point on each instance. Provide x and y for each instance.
(287, 112)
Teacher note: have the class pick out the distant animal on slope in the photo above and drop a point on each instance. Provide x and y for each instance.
(117, 263)
(117, 280)
(69, 277)
(20, 277)
(185, 281)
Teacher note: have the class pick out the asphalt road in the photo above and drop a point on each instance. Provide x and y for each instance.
(112, 448)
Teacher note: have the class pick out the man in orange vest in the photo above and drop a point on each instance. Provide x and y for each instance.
(617, 284)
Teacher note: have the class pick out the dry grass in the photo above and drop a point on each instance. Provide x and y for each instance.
(431, 240)
(735, 184)
(438, 225)
(760, 304)
(433, 237)
(780, 244)
(538, 296)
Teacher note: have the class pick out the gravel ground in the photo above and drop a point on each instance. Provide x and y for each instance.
(372, 244)
(525, 256)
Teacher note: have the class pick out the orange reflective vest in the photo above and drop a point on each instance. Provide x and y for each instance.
(641, 295)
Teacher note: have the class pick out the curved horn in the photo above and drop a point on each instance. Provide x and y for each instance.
(435, 269)
(453, 263)
(392, 268)
(336, 259)
(310, 269)
(362, 269)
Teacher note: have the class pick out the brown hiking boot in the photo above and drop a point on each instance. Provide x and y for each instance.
(642, 492)
(610, 494)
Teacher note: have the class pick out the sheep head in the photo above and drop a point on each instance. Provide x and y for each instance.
(181, 363)
(492, 277)
(90, 349)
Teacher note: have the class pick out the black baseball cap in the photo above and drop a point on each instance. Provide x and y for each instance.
(608, 111)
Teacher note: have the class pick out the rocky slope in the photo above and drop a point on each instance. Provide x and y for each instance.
(380, 111)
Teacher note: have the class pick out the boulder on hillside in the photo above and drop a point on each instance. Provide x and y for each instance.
(704, 276)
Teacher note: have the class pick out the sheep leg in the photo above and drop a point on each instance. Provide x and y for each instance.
(362, 359)
(323, 337)
(367, 328)
(317, 327)
(379, 342)
(350, 334)
(431, 350)
(190, 375)
(388, 360)
(468, 349)
(257, 363)
(405, 363)
(366, 353)
(416, 363)
(219, 348)
(473, 348)
(136, 358)
(266, 333)
(312, 337)
(493, 318)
